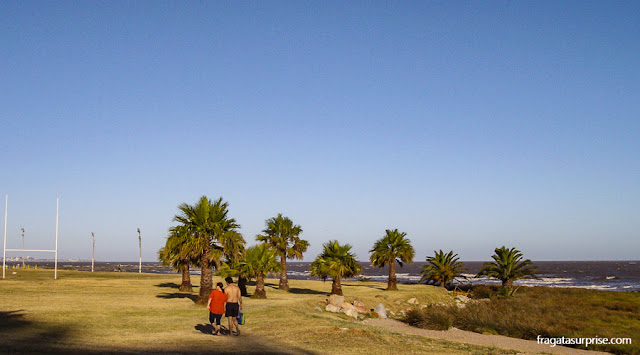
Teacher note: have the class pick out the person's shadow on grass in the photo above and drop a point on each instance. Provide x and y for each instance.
(208, 329)
(204, 328)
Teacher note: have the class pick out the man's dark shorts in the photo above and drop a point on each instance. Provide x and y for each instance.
(232, 309)
(215, 318)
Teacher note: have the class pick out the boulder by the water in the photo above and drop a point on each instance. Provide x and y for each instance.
(361, 309)
(346, 305)
(380, 310)
(336, 300)
(351, 312)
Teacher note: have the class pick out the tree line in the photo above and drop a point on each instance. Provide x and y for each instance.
(205, 236)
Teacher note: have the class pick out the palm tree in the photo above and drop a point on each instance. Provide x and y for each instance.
(442, 268)
(283, 237)
(207, 221)
(336, 261)
(178, 254)
(259, 262)
(508, 267)
(233, 248)
(392, 248)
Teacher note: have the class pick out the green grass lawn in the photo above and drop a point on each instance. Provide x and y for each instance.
(128, 312)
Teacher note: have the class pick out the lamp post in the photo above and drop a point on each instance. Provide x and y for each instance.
(22, 229)
(93, 250)
(140, 248)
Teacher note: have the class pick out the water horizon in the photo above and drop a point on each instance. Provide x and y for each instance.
(613, 275)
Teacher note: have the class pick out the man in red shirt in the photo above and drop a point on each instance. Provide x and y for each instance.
(217, 299)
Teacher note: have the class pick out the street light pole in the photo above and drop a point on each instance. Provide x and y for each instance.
(22, 229)
(93, 250)
(140, 246)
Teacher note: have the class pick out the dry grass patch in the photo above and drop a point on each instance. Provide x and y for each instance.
(548, 312)
(128, 312)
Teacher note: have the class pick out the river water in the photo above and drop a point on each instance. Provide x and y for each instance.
(599, 275)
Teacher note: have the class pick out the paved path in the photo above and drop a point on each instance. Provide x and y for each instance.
(462, 336)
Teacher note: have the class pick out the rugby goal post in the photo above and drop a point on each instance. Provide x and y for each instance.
(4, 255)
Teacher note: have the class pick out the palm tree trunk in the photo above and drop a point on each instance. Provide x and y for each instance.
(393, 284)
(284, 282)
(336, 287)
(186, 280)
(260, 291)
(206, 275)
(242, 285)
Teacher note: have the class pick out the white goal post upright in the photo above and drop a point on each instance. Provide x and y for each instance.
(4, 247)
(55, 272)
(4, 256)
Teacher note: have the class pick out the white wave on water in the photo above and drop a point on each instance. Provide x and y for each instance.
(591, 287)
(298, 273)
(400, 277)
(566, 282)
(543, 281)
(546, 281)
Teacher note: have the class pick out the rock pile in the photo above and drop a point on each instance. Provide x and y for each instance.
(357, 310)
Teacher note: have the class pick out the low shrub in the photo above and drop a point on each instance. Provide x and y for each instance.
(483, 291)
(436, 318)
(545, 312)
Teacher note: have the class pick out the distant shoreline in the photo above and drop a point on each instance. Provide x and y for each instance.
(598, 275)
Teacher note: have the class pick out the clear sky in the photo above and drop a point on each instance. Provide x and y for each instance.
(467, 125)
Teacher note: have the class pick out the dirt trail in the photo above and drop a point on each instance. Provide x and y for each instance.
(462, 336)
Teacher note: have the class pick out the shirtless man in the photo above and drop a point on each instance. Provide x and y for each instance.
(233, 304)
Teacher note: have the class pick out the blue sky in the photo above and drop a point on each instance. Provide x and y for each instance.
(468, 125)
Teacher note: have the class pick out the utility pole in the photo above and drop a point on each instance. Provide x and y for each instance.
(93, 251)
(22, 229)
(140, 246)
(55, 272)
(4, 248)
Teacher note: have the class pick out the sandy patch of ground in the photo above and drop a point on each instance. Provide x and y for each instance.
(462, 336)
